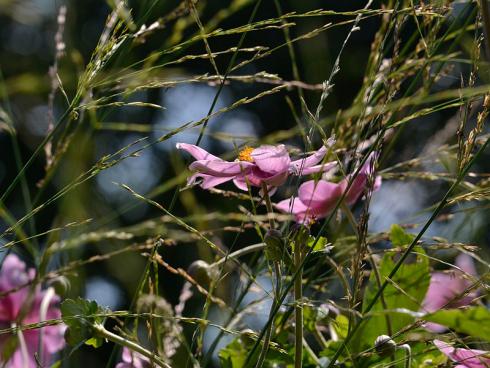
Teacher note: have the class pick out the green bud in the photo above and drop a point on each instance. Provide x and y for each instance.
(275, 245)
(200, 271)
(384, 346)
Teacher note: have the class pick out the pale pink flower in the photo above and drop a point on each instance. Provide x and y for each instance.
(447, 289)
(266, 164)
(316, 199)
(19, 307)
(466, 358)
(131, 359)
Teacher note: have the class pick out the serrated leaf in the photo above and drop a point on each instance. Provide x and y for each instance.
(79, 315)
(399, 237)
(321, 244)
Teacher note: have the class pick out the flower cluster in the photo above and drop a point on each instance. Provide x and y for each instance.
(271, 166)
(19, 305)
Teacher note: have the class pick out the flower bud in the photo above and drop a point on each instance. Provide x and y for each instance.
(61, 284)
(248, 336)
(275, 245)
(200, 271)
(384, 346)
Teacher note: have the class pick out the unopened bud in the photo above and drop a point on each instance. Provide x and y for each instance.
(61, 284)
(248, 336)
(384, 346)
(200, 271)
(275, 245)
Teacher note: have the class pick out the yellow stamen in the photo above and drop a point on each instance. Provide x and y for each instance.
(246, 154)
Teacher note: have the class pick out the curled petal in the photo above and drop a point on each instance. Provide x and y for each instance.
(316, 169)
(292, 205)
(309, 161)
(197, 152)
(469, 358)
(272, 159)
(207, 181)
(221, 168)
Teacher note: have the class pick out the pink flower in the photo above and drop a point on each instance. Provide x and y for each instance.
(316, 199)
(19, 308)
(446, 289)
(131, 359)
(266, 164)
(466, 358)
(359, 183)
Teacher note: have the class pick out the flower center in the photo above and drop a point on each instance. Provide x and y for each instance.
(246, 154)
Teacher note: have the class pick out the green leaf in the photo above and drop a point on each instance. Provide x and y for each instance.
(234, 355)
(406, 290)
(341, 326)
(80, 315)
(399, 237)
(474, 321)
(320, 246)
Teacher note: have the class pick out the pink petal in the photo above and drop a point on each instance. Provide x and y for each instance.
(197, 152)
(470, 358)
(292, 205)
(466, 263)
(207, 181)
(359, 183)
(241, 183)
(272, 159)
(13, 274)
(221, 168)
(440, 292)
(132, 359)
(309, 161)
(316, 169)
(320, 195)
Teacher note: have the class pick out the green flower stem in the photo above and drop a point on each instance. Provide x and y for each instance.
(298, 308)
(408, 353)
(268, 333)
(277, 292)
(241, 252)
(101, 331)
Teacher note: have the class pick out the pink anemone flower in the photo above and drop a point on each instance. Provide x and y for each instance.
(270, 165)
(466, 358)
(316, 199)
(131, 359)
(447, 289)
(21, 307)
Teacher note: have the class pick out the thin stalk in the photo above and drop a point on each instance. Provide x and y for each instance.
(100, 330)
(298, 308)
(241, 252)
(268, 333)
(277, 292)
